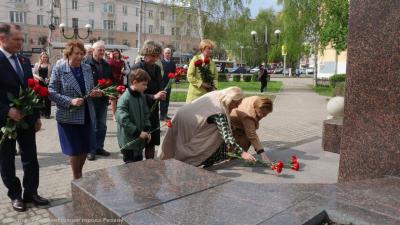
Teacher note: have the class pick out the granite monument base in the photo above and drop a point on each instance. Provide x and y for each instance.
(332, 134)
(171, 192)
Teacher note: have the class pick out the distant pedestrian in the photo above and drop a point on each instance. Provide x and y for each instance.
(263, 77)
(169, 67)
(297, 72)
(41, 72)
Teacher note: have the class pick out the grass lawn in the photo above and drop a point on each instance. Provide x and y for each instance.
(181, 96)
(323, 90)
(273, 86)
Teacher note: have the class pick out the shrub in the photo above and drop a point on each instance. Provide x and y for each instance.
(254, 77)
(336, 78)
(236, 77)
(247, 78)
(222, 77)
(339, 90)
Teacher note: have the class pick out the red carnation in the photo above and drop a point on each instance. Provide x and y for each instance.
(296, 166)
(32, 82)
(43, 92)
(37, 88)
(102, 82)
(207, 60)
(294, 158)
(169, 123)
(108, 82)
(171, 75)
(121, 89)
(198, 63)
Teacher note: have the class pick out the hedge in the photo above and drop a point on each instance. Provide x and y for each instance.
(254, 77)
(336, 78)
(222, 77)
(236, 77)
(247, 78)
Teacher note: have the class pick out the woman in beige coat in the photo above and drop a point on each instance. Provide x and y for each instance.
(199, 128)
(245, 121)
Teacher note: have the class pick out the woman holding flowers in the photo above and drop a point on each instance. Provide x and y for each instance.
(202, 73)
(200, 128)
(69, 83)
(151, 52)
(117, 67)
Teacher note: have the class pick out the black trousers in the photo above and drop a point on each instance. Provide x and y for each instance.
(164, 106)
(27, 144)
(130, 156)
(264, 84)
(46, 111)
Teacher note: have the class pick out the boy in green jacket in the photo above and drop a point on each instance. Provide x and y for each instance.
(132, 115)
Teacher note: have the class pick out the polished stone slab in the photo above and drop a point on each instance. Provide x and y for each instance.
(332, 134)
(371, 126)
(116, 191)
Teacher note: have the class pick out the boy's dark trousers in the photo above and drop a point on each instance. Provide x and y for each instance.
(164, 106)
(130, 156)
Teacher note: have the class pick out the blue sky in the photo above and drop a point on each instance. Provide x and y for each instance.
(256, 5)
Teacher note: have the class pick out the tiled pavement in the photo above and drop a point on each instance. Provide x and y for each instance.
(297, 119)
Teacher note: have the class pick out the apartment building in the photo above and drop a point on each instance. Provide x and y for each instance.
(117, 22)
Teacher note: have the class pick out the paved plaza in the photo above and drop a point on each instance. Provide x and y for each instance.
(295, 126)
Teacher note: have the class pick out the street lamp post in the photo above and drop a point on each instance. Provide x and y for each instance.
(253, 33)
(241, 55)
(76, 35)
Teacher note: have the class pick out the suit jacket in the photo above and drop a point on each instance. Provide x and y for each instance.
(168, 67)
(10, 83)
(64, 87)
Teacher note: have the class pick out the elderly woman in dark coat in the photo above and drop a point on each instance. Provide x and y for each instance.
(151, 52)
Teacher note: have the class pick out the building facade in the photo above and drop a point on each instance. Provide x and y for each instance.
(117, 22)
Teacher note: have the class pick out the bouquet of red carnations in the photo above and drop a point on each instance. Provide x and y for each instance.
(205, 72)
(28, 100)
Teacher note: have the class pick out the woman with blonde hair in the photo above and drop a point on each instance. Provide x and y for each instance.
(41, 72)
(200, 128)
(245, 121)
(198, 87)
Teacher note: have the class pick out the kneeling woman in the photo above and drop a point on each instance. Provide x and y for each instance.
(199, 128)
(245, 121)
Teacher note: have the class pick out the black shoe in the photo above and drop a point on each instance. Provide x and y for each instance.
(36, 199)
(18, 205)
(91, 157)
(102, 152)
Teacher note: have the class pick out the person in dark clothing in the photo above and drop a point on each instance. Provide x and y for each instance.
(151, 52)
(15, 72)
(42, 72)
(263, 77)
(168, 67)
(100, 69)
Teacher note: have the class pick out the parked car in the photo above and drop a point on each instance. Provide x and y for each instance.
(240, 70)
(255, 70)
(278, 71)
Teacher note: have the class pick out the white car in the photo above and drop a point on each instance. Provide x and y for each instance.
(255, 70)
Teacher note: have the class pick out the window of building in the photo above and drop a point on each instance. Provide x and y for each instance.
(174, 15)
(125, 26)
(56, 20)
(39, 20)
(188, 32)
(109, 41)
(91, 6)
(91, 22)
(137, 11)
(177, 31)
(25, 38)
(137, 28)
(173, 31)
(18, 1)
(137, 43)
(75, 4)
(162, 15)
(162, 30)
(109, 24)
(150, 14)
(108, 7)
(57, 4)
(75, 22)
(17, 17)
(125, 10)
(39, 2)
(150, 29)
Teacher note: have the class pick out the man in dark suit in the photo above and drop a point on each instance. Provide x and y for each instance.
(100, 69)
(15, 72)
(168, 67)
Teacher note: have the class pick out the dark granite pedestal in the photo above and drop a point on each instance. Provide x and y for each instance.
(171, 192)
(332, 134)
